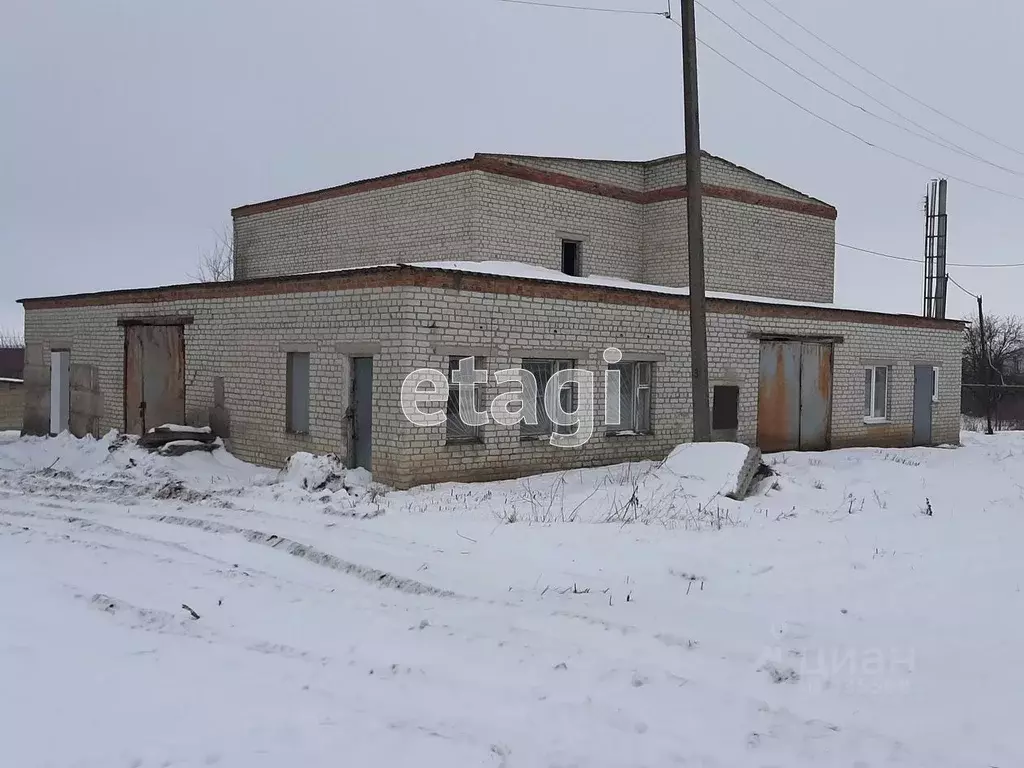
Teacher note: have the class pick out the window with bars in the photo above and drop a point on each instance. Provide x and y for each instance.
(457, 431)
(876, 392)
(542, 371)
(634, 398)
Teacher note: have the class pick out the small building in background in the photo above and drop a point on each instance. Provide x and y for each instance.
(12, 386)
(528, 262)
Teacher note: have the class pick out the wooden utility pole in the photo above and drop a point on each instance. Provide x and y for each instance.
(984, 363)
(695, 230)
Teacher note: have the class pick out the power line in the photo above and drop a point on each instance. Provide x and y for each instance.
(891, 85)
(630, 11)
(954, 282)
(921, 261)
(795, 103)
(863, 109)
(950, 144)
(883, 255)
(850, 133)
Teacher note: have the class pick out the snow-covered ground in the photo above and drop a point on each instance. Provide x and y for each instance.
(861, 608)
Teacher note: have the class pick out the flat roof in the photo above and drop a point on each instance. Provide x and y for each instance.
(507, 165)
(500, 278)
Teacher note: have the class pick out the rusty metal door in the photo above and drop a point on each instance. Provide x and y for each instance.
(794, 396)
(154, 376)
(778, 397)
(815, 395)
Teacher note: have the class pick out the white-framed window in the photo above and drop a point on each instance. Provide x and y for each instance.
(935, 383)
(457, 431)
(634, 398)
(876, 392)
(542, 371)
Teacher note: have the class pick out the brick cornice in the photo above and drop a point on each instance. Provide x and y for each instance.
(554, 179)
(394, 276)
(806, 207)
(356, 187)
(509, 169)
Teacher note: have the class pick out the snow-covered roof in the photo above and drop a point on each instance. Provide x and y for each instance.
(508, 269)
(529, 272)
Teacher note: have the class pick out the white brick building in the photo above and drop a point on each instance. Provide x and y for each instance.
(280, 361)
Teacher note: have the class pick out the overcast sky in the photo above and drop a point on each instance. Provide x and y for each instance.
(131, 128)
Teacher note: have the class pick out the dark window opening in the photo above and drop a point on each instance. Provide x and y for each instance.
(725, 407)
(571, 257)
(297, 405)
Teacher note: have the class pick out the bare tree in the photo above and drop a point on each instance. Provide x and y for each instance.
(1004, 343)
(11, 338)
(217, 263)
(1003, 337)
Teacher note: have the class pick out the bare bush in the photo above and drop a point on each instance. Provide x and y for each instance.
(11, 338)
(217, 264)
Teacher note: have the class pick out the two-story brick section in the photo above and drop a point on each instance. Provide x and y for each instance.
(530, 263)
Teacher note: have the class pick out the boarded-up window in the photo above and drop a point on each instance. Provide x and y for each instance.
(634, 398)
(457, 430)
(725, 407)
(297, 411)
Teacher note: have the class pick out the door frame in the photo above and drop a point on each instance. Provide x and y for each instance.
(127, 324)
(351, 462)
(930, 401)
(63, 409)
(827, 341)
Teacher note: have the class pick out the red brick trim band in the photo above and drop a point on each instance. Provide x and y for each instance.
(355, 188)
(550, 178)
(422, 277)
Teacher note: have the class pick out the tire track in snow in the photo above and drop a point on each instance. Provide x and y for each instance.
(306, 552)
(364, 573)
(92, 526)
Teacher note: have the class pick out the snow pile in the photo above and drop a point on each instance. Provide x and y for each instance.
(717, 465)
(114, 461)
(693, 488)
(324, 472)
(180, 428)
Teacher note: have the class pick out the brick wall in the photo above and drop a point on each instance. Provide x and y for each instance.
(416, 221)
(245, 340)
(12, 404)
(671, 172)
(510, 208)
(503, 327)
(522, 221)
(631, 175)
(748, 250)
